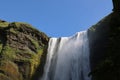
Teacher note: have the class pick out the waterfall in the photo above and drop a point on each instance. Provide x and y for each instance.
(68, 58)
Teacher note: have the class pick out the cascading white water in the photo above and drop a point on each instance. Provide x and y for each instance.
(68, 58)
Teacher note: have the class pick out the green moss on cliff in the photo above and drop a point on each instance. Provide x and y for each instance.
(10, 70)
(8, 53)
(21, 50)
(4, 24)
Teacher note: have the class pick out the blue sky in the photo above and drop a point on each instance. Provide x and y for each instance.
(56, 18)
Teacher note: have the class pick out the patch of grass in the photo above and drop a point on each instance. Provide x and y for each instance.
(35, 61)
(13, 31)
(19, 24)
(4, 24)
(8, 53)
(1, 47)
(34, 42)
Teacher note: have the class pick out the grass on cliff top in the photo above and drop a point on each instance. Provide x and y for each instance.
(19, 24)
(4, 24)
(23, 24)
(35, 61)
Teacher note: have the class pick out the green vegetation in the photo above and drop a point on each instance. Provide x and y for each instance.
(23, 24)
(4, 24)
(35, 61)
(21, 50)
(1, 47)
(8, 53)
(13, 31)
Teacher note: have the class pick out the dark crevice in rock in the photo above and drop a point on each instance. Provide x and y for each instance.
(3, 39)
(1, 71)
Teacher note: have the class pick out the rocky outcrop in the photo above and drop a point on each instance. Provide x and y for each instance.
(22, 51)
(104, 38)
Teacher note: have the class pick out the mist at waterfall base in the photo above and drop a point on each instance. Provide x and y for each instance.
(68, 58)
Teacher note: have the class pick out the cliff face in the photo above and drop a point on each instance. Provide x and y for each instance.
(104, 38)
(22, 51)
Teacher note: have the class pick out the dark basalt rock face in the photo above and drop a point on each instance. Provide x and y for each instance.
(22, 51)
(104, 38)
